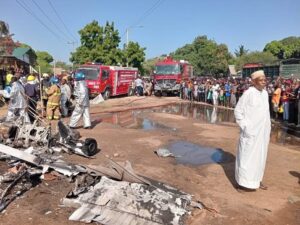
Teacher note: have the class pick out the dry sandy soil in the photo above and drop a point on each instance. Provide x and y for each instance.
(213, 183)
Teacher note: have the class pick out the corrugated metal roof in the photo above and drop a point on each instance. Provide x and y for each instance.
(19, 52)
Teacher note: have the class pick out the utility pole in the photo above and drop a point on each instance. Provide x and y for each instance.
(127, 38)
(41, 92)
(54, 67)
(73, 49)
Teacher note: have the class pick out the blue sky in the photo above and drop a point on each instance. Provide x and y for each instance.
(170, 25)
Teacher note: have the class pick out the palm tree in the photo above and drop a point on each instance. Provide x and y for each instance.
(241, 51)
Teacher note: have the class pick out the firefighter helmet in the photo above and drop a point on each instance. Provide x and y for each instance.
(30, 78)
(54, 80)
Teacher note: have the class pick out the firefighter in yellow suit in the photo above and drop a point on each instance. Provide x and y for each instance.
(53, 103)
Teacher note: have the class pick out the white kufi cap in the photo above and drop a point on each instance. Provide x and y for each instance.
(257, 74)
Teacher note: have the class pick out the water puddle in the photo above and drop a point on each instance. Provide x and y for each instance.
(133, 120)
(191, 154)
(136, 119)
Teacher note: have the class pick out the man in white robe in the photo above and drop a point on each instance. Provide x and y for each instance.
(253, 116)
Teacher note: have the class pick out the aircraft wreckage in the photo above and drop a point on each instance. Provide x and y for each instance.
(108, 195)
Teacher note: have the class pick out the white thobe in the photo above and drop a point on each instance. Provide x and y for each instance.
(253, 116)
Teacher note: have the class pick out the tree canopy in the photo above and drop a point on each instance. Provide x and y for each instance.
(207, 57)
(241, 51)
(98, 44)
(265, 58)
(134, 55)
(43, 60)
(101, 44)
(286, 48)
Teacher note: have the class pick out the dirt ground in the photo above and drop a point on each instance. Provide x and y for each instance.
(213, 184)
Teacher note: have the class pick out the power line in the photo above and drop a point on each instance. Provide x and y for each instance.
(24, 6)
(149, 11)
(49, 19)
(58, 16)
(146, 14)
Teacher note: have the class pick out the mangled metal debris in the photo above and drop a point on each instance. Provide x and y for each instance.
(115, 170)
(126, 198)
(118, 172)
(163, 152)
(14, 183)
(112, 202)
(23, 135)
(69, 139)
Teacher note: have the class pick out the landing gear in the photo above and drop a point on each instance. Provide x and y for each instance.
(89, 147)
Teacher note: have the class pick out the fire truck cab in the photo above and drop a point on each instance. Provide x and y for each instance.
(108, 80)
(169, 73)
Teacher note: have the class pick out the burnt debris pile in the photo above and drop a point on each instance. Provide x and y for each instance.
(114, 194)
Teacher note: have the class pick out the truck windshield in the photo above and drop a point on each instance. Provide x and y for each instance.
(167, 69)
(90, 73)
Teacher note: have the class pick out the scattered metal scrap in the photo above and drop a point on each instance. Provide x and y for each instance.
(163, 152)
(112, 202)
(69, 139)
(126, 198)
(23, 135)
(13, 184)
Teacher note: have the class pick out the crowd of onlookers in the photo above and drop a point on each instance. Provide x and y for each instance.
(284, 94)
(142, 86)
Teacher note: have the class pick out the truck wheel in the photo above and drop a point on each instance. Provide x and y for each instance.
(157, 93)
(106, 94)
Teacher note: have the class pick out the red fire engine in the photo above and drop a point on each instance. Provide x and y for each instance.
(108, 80)
(168, 74)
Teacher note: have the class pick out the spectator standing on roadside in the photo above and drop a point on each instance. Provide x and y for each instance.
(253, 116)
(276, 99)
(139, 86)
(227, 94)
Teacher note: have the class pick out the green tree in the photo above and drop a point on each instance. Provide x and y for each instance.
(63, 65)
(286, 48)
(207, 57)
(241, 51)
(276, 48)
(98, 44)
(44, 56)
(134, 55)
(149, 64)
(43, 60)
(265, 58)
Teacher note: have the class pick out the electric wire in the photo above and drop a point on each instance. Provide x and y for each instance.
(26, 8)
(51, 21)
(59, 17)
(147, 13)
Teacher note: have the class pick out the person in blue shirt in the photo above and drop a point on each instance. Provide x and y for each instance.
(227, 94)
